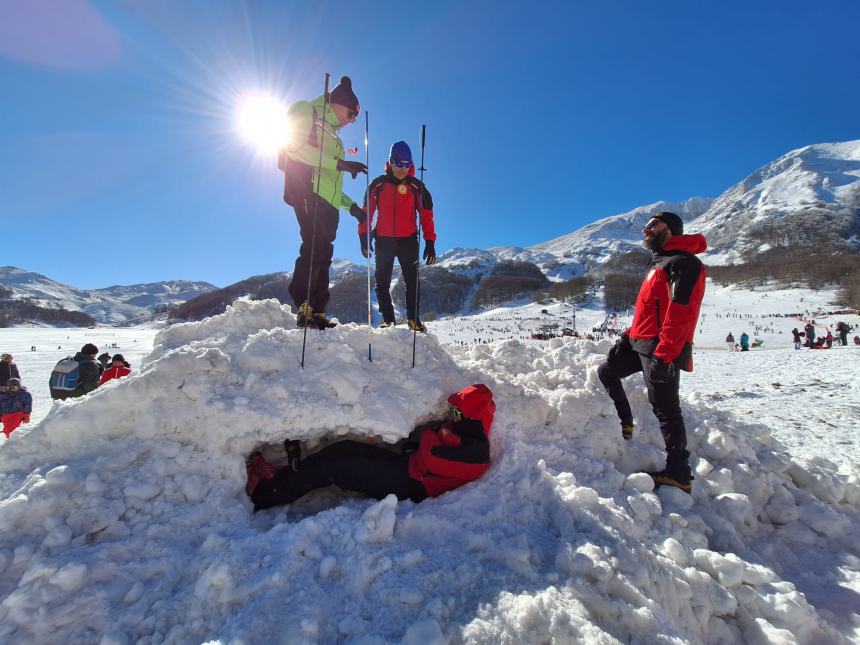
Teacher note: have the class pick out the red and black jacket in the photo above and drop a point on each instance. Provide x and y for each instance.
(669, 301)
(397, 201)
(114, 372)
(452, 453)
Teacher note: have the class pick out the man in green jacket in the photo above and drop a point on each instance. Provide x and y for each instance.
(317, 198)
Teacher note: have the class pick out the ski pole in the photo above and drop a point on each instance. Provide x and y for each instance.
(367, 208)
(418, 261)
(307, 304)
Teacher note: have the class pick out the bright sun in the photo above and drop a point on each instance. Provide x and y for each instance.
(263, 122)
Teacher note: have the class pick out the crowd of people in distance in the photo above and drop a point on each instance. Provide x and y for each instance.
(72, 377)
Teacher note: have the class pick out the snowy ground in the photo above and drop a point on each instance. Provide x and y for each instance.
(124, 518)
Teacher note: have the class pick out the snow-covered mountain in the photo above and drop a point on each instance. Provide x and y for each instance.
(108, 305)
(807, 192)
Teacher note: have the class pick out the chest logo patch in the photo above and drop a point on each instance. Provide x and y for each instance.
(401, 189)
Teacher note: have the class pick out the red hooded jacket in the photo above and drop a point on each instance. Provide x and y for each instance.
(453, 453)
(397, 201)
(669, 300)
(114, 372)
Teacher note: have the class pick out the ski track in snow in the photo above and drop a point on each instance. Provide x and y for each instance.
(124, 517)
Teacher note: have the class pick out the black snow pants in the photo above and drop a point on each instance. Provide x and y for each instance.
(664, 401)
(405, 249)
(321, 238)
(349, 465)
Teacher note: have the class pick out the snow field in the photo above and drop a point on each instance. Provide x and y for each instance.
(138, 529)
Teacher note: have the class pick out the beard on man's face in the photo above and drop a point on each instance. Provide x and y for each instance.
(653, 241)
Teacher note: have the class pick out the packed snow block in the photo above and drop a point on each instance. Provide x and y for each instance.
(825, 484)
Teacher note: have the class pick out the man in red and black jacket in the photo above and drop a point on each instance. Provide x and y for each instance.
(660, 341)
(438, 457)
(397, 196)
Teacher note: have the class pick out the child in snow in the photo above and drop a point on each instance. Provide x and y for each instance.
(396, 197)
(16, 404)
(438, 457)
(119, 367)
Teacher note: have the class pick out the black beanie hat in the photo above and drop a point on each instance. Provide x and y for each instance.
(89, 348)
(343, 95)
(675, 223)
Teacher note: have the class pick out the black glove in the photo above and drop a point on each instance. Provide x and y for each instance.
(430, 252)
(357, 212)
(362, 239)
(661, 372)
(352, 167)
(621, 345)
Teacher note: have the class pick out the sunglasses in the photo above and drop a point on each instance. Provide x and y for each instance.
(652, 224)
(399, 163)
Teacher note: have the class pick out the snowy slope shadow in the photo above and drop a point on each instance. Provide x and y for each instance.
(124, 515)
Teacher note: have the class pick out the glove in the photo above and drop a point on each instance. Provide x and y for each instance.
(661, 372)
(430, 252)
(362, 239)
(357, 212)
(621, 345)
(352, 167)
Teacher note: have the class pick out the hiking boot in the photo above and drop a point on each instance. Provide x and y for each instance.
(321, 322)
(386, 324)
(663, 478)
(627, 431)
(258, 469)
(294, 453)
(416, 325)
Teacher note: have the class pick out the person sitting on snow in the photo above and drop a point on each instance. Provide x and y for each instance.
(119, 367)
(75, 376)
(397, 196)
(437, 457)
(16, 404)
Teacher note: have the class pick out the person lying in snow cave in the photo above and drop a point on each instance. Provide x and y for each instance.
(437, 457)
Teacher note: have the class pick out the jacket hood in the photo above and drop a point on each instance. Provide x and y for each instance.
(687, 243)
(475, 402)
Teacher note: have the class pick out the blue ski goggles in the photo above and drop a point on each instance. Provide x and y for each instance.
(399, 163)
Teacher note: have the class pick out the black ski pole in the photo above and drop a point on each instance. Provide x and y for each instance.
(367, 208)
(418, 261)
(306, 306)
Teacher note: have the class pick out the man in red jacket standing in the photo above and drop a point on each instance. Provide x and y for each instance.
(397, 196)
(659, 343)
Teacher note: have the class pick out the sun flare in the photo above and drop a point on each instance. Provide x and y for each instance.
(262, 121)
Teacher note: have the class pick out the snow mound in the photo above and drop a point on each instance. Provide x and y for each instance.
(124, 517)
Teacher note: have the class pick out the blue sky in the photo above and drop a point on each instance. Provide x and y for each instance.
(121, 163)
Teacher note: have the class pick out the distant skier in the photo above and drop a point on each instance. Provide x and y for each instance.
(659, 342)
(316, 200)
(730, 342)
(8, 370)
(745, 342)
(842, 329)
(438, 457)
(829, 339)
(16, 405)
(797, 337)
(809, 330)
(397, 196)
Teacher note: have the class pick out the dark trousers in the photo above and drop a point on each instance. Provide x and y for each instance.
(321, 238)
(663, 398)
(349, 465)
(405, 249)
